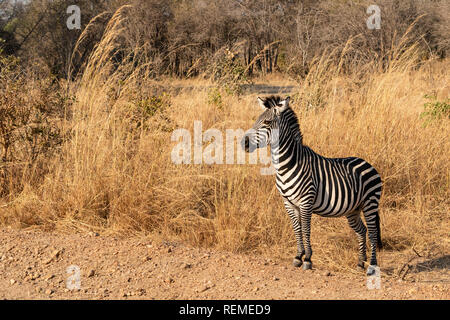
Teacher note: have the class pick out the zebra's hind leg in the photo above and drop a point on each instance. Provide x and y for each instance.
(355, 222)
(372, 218)
(305, 218)
(294, 215)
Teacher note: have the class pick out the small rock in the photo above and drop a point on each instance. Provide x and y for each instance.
(147, 258)
(276, 279)
(170, 280)
(34, 276)
(187, 266)
(169, 250)
(255, 289)
(327, 273)
(414, 290)
(12, 281)
(51, 276)
(56, 253)
(141, 292)
(91, 273)
(49, 292)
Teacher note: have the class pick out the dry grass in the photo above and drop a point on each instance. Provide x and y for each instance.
(115, 175)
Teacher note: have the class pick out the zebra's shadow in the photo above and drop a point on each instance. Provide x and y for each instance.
(438, 263)
(417, 265)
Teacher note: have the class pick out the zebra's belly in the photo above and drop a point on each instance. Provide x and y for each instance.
(326, 201)
(336, 202)
(333, 212)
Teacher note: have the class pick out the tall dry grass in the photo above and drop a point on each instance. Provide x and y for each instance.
(115, 174)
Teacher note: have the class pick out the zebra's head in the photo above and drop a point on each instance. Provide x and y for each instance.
(263, 131)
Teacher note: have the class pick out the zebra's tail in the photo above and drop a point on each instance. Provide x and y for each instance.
(377, 221)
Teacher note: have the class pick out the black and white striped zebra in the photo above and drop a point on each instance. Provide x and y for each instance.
(311, 183)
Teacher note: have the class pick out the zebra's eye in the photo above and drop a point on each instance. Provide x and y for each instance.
(267, 122)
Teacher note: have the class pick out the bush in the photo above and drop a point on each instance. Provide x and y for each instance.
(147, 107)
(215, 97)
(229, 73)
(435, 109)
(30, 112)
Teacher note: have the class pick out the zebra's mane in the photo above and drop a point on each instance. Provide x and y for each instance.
(295, 126)
(272, 101)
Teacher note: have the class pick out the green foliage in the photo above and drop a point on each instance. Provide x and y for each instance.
(215, 97)
(150, 105)
(146, 107)
(11, 26)
(435, 110)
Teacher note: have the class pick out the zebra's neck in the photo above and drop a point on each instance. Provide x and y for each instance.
(288, 148)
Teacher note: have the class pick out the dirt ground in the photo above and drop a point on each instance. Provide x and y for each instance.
(34, 265)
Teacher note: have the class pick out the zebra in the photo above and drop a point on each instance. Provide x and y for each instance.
(311, 183)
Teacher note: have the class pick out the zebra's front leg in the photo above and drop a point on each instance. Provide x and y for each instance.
(293, 213)
(305, 220)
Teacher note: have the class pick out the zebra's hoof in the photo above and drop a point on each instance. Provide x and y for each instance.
(371, 270)
(297, 262)
(307, 265)
(360, 266)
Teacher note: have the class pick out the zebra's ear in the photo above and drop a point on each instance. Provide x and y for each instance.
(284, 104)
(261, 103)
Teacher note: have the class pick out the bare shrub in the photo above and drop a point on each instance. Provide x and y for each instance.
(30, 124)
